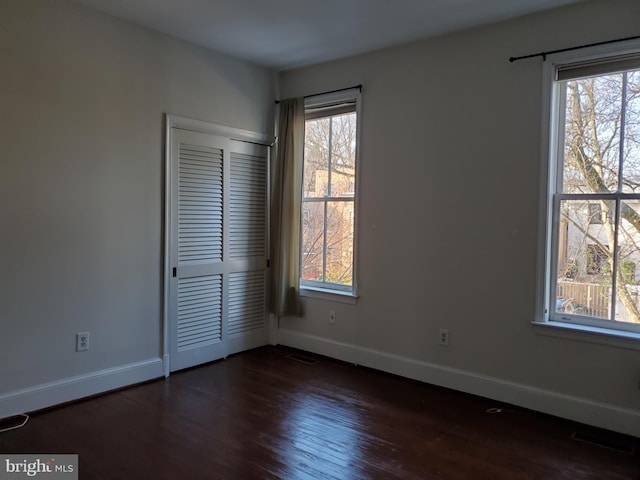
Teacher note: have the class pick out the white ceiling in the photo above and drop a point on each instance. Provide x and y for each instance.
(284, 34)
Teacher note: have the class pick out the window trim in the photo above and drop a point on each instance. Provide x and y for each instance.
(325, 290)
(581, 328)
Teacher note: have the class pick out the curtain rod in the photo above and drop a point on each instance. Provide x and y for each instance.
(544, 54)
(359, 87)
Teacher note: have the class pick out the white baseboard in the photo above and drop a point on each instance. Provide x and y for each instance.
(166, 365)
(581, 410)
(74, 388)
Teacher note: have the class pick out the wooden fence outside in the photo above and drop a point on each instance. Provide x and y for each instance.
(593, 296)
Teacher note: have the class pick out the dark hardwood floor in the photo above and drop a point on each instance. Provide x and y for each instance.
(263, 415)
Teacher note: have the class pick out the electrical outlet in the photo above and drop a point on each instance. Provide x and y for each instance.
(443, 337)
(82, 341)
(332, 317)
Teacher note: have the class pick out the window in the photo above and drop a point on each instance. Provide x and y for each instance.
(593, 202)
(329, 193)
(597, 259)
(595, 215)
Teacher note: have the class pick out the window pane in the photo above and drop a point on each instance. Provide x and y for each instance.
(343, 155)
(316, 158)
(627, 306)
(312, 241)
(592, 134)
(340, 242)
(585, 253)
(631, 166)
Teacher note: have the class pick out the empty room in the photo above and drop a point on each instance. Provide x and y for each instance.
(295, 239)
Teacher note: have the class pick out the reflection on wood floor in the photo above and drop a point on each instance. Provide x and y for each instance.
(263, 415)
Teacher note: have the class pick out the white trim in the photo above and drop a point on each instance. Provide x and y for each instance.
(592, 53)
(166, 365)
(585, 333)
(80, 386)
(322, 346)
(544, 220)
(166, 347)
(356, 213)
(578, 409)
(328, 294)
(318, 100)
(273, 328)
(184, 123)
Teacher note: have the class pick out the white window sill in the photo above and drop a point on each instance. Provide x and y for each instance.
(583, 333)
(327, 294)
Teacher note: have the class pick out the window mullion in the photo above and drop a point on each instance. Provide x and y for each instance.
(616, 246)
(561, 92)
(614, 266)
(330, 159)
(328, 199)
(623, 119)
(553, 268)
(597, 196)
(324, 243)
(326, 203)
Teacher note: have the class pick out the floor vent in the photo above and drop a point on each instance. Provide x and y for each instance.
(619, 445)
(302, 359)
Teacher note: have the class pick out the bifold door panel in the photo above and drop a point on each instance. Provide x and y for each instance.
(217, 247)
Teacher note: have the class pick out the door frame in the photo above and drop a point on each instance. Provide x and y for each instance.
(190, 124)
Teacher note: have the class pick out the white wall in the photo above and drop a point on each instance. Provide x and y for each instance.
(448, 220)
(82, 98)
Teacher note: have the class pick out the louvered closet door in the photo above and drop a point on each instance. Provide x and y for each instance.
(247, 247)
(217, 303)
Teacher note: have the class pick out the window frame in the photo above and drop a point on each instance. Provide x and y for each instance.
(322, 289)
(569, 326)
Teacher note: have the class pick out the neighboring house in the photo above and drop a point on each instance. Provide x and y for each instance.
(585, 250)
